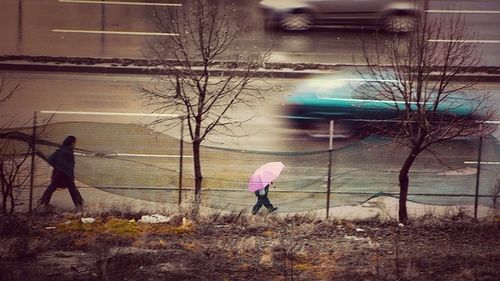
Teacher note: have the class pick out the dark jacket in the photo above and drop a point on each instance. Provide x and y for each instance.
(63, 162)
(260, 193)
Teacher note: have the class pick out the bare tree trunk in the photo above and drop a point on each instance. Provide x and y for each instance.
(404, 182)
(4, 202)
(12, 201)
(197, 167)
(198, 178)
(4, 188)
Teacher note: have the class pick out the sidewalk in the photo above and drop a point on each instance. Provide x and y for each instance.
(380, 208)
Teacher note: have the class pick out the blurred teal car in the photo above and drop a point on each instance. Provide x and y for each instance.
(353, 103)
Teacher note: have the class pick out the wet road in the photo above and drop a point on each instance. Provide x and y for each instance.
(117, 29)
(118, 93)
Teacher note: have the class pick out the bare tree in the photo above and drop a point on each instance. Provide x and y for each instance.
(416, 74)
(207, 73)
(13, 155)
(7, 90)
(17, 147)
(14, 172)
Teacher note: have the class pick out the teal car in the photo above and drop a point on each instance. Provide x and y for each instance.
(353, 103)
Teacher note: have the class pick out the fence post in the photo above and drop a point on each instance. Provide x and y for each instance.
(32, 172)
(330, 151)
(478, 171)
(181, 157)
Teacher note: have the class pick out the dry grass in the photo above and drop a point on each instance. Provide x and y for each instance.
(235, 245)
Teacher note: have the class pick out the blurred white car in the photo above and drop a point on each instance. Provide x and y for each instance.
(300, 15)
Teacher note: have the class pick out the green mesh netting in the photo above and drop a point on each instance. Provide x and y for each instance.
(136, 162)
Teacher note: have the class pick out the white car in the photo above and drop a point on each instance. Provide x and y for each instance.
(301, 15)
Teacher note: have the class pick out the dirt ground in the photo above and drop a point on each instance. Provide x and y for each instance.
(117, 246)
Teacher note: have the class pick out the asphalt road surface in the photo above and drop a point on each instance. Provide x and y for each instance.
(118, 93)
(137, 156)
(123, 29)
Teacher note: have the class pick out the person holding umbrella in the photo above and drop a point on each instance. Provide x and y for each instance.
(260, 181)
(262, 199)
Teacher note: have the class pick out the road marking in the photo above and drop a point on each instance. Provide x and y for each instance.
(114, 32)
(462, 12)
(121, 3)
(482, 163)
(464, 41)
(151, 155)
(133, 155)
(110, 113)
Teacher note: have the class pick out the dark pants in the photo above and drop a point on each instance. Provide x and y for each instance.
(262, 200)
(61, 181)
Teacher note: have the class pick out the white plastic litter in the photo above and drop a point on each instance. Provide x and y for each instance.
(156, 218)
(88, 220)
(355, 238)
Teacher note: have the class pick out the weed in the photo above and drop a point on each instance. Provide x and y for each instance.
(185, 227)
(267, 247)
(122, 227)
(14, 226)
(123, 211)
(15, 235)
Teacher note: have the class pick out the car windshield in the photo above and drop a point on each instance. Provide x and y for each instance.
(373, 91)
(326, 87)
(377, 92)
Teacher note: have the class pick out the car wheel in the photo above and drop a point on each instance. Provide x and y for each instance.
(400, 23)
(296, 22)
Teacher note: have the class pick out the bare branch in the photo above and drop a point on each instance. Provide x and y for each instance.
(206, 44)
(417, 75)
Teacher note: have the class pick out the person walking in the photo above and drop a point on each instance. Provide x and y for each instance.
(262, 199)
(63, 162)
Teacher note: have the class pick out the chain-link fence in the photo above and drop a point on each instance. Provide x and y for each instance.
(134, 161)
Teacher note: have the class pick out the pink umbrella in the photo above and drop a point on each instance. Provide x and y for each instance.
(264, 175)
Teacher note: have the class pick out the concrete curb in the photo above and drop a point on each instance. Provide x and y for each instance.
(145, 67)
(134, 70)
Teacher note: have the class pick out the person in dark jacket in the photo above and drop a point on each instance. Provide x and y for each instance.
(63, 176)
(263, 200)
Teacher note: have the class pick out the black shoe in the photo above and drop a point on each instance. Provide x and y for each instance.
(273, 209)
(79, 208)
(44, 208)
